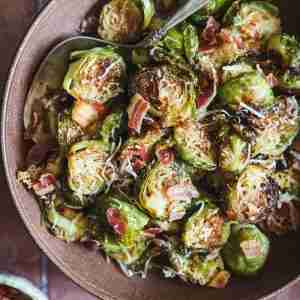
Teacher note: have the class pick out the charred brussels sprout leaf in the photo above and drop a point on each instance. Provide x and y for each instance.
(206, 229)
(196, 268)
(246, 251)
(250, 89)
(194, 145)
(66, 224)
(125, 240)
(95, 75)
(68, 131)
(288, 49)
(191, 42)
(167, 191)
(253, 195)
(214, 7)
(234, 155)
(123, 21)
(276, 131)
(88, 173)
(169, 90)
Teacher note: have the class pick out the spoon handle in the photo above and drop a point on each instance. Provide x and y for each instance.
(183, 13)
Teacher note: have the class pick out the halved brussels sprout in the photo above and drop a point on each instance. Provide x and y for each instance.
(277, 129)
(250, 89)
(230, 72)
(65, 223)
(138, 151)
(125, 241)
(194, 145)
(68, 131)
(234, 154)
(88, 173)
(96, 75)
(123, 21)
(169, 90)
(246, 251)
(257, 21)
(196, 268)
(290, 81)
(287, 47)
(206, 229)
(252, 196)
(167, 191)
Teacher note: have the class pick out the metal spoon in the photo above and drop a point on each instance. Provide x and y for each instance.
(189, 8)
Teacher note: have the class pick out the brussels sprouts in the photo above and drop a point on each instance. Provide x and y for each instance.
(288, 49)
(65, 223)
(255, 20)
(167, 191)
(246, 251)
(194, 145)
(214, 7)
(235, 154)
(252, 196)
(206, 229)
(169, 90)
(122, 21)
(197, 268)
(250, 89)
(138, 151)
(125, 240)
(174, 40)
(87, 168)
(68, 131)
(290, 81)
(278, 128)
(230, 72)
(95, 75)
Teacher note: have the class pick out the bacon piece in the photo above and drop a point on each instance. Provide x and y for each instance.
(209, 34)
(137, 111)
(220, 281)
(272, 80)
(114, 218)
(165, 156)
(45, 185)
(152, 232)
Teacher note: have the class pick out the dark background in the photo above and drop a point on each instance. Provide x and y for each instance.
(18, 252)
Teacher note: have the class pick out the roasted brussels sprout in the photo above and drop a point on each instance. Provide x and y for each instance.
(167, 191)
(230, 72)
(277, 129)
(68, 131)
(252, 197)
(194, 145)
(125, 241)
(249, 24)
(287, 48)
(257, 21)
(248, 90)
(234, 154)
(88, 172)
(206, 229)
(123, 21)
(246, 250)
(138, 151)
(197, 268)
(285, 218)
(96, 75)
(66, 224)
(169, 90)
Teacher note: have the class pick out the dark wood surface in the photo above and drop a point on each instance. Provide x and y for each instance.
(18, 252)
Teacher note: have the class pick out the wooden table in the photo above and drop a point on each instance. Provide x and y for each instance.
(18, 253)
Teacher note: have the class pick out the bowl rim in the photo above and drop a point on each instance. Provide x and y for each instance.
(40, 242)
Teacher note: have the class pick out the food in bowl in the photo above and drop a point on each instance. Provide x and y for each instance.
(183, 156)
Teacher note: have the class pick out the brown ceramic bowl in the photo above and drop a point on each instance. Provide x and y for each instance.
(59, 20)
